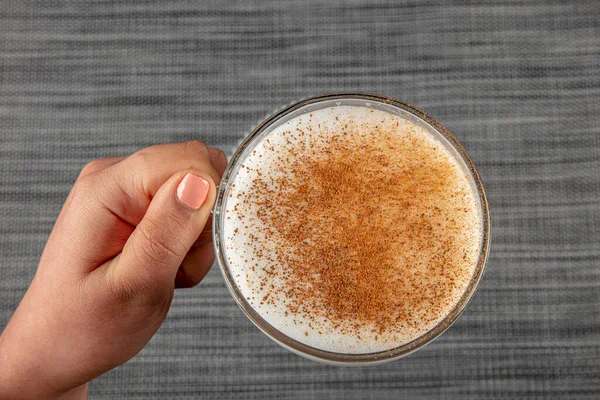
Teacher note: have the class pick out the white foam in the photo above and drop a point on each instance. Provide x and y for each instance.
(239, 254)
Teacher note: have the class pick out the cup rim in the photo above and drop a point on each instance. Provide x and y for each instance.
(329, 356)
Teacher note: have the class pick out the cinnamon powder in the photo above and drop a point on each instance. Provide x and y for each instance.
(368, 226)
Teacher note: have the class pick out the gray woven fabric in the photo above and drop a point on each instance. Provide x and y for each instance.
(516, 81)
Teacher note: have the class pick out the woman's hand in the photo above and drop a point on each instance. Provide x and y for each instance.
(131, 231)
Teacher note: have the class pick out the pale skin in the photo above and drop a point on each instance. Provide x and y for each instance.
(129, 234)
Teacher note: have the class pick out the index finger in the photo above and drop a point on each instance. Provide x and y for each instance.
(105, 207)
(140, 176)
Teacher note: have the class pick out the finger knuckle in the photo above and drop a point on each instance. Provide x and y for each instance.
(90, 168)
(145, 289)
(195, 147)
(142, 156)
(159, 244)
(124, 290)
(83, 187)
(217, 153)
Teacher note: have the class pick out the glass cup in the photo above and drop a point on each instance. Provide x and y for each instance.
(375, 102)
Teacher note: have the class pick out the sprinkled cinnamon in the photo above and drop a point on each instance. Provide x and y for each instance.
(364, 225)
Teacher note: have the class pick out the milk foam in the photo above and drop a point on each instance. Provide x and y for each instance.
(241, 256)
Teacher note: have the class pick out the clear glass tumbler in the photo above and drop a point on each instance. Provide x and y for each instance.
(378, 103)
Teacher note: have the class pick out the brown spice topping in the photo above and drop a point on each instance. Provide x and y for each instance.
(367, 225)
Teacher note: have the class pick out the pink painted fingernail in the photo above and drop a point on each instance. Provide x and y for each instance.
(192, 191)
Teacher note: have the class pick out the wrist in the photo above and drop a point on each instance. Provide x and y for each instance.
(21, 377)
(15, 384)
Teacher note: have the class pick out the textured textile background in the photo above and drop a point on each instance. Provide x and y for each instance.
(518, 82)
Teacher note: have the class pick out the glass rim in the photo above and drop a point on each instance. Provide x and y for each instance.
(348, 358)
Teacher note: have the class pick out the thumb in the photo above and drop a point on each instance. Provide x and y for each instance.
(174, 220)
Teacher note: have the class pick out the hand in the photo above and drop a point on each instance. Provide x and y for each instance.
(131, 231)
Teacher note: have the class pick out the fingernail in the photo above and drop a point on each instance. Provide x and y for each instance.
(192, 191)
